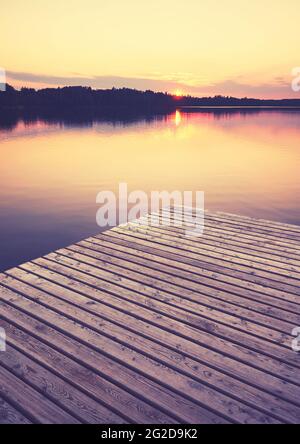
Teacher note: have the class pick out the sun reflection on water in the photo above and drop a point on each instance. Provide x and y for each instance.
(178, 118)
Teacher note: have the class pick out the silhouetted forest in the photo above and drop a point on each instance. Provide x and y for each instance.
(129, 100)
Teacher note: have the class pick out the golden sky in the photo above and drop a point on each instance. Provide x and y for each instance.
(200, 47)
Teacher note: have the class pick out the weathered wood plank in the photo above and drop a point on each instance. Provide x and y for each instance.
(126, 244)
(286, 410)
(144, 324)
(190, 305)
(247, 225)
(244, 273)
(231, 385)
(85, 409)
(10, 415)
(221, 242)
(195, 245)
(279, 238)
(286, 280)
(173, 327)
(159, 336)
(240, 219)
(36, 406)
(261, 222)
(126, 376)
(206, 281)
(163, 278)
(172, 318)
(171, 294)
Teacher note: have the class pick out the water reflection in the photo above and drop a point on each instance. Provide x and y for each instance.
(177, 118)
(51, 169)
(10, 119)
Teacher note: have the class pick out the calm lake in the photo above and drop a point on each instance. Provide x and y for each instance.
(246, 162)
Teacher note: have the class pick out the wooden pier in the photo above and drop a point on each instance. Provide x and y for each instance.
(143, 324)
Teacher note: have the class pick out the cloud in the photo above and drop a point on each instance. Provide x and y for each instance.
(277, 88)
(274, 89)
(94, 81)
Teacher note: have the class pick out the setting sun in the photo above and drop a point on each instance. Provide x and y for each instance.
(178, 93)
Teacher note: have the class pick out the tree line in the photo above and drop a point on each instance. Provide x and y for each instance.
(123, 98)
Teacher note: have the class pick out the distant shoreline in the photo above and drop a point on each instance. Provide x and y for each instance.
(162, 109)
(132, 100)
(239, 107)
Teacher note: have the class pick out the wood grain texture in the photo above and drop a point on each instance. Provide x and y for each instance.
(10, 415)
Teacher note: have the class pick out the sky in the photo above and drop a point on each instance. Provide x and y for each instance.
(198, 47)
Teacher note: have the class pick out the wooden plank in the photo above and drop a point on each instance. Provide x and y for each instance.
(286, 410)
(257, 250)
(279, 238)
(168, 292)
(75, 367)
(283, 409)
(144, 324)
(262, 399)
(243, 235)
(10, 415)
(246, 274)
(60, 391)
(163, 279)
(219, 278)
(205, 283)
(283, 232)
(32, 403)
(236, 222)
(198, 244)
(129, 376)
(138, 304)
(83, 365)
(238, 218)
(286, 280)
(274, 246)
(189, 366)
(259, 221)
(159, 336)
(188, 335)
(277, 227)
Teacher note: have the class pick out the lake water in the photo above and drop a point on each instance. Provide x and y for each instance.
(50, 173)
